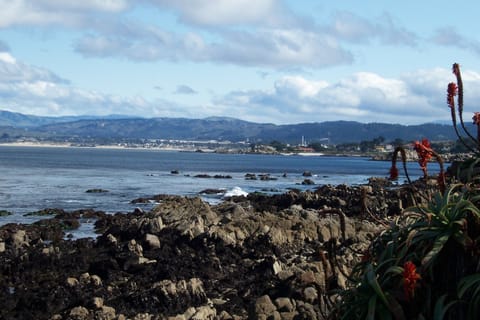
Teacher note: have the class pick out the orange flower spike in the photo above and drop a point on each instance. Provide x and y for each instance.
(410, 278)
(424, 152)
(451, 93)
(476, 118)
(393, 173)
(441, 181)
(455, 68)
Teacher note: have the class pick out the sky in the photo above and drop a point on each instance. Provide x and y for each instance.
(266, 61)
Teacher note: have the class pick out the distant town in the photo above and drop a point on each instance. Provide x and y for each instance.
(377, 149)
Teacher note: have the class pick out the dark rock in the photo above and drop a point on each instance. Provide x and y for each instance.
(4, 213)
(250, 176)
(202, 175)
(96, 191)
(307, 174)
(212, 191)
(174, 172)
(219, 176)
(308, 182)
(266, 177)
(46, 212)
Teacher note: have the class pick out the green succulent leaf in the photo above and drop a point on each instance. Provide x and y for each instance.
(437, 247)
(440, 308)
(372, 302)
(372, 281)
(471, 281)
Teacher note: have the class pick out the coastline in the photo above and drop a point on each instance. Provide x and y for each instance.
(68, 145)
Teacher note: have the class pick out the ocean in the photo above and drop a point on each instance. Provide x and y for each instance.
(35, 178)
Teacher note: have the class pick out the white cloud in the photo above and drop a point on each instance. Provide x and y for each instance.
(53, 12)
(265, 47)
(7, 58)
(300, 86)
(353, 28)
(215, 13)
(33, 90)
(449, 37)
(415, 97)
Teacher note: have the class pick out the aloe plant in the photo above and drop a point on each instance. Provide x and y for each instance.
(426, 265)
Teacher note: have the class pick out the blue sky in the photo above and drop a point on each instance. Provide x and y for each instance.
(266, 61)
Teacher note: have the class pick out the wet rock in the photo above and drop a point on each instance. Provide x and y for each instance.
(308, 182)
(96, 190)
(203, 176)
(220, 176)
(46, 212)
(252, 257)
(250, 176)
(212, 191)
(4, 213)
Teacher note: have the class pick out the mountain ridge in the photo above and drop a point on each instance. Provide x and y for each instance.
(212, 128)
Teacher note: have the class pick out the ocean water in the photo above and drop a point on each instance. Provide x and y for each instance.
(34, 178)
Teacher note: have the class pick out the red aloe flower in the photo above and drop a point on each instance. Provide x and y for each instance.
(451, 93)
(476, 118)
(410, 278)
(393, 172)
(424, 152)
(441, 181)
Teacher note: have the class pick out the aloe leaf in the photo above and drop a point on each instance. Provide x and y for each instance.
(395, 308)
(372, 302)
(372, 281)
(395, 270)
(437, 247)
(440, 308)
(467, 282)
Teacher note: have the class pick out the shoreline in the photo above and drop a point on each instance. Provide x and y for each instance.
(121, 147)
(68, 145)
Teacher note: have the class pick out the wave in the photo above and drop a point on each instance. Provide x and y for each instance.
(235, 191)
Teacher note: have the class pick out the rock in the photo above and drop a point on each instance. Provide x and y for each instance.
(212, 191)
(307, 174)
(284, 304)
(221, 261)
(310, 294)
(98, 302)
(79, 313)
(105, 313)
(2, 246)
(308, 277)
(264, 307)
(46, 212)
(112, 240)
(203, 175)
(308, 182)
(20, 239)
(204, 313)
(152, 241)
(4, 213)
(72, 282)
(95, 280)
(96, 191)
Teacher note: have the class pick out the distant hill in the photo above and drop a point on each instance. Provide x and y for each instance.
(19, 120)
(213, 128)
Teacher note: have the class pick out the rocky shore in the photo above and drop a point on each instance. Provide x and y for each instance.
(253, 257)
